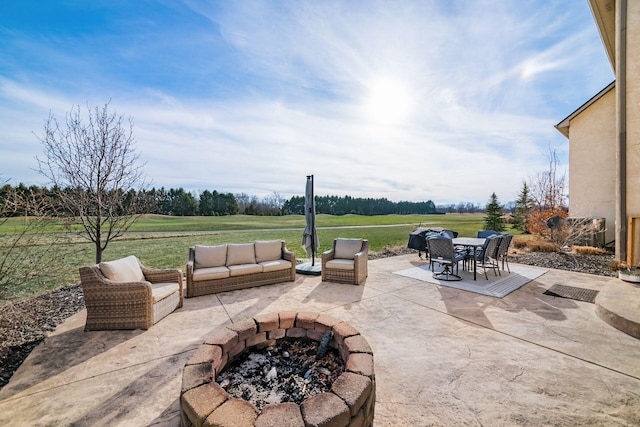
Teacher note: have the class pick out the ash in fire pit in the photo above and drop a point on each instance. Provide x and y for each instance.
(286, 372)
(282, 349)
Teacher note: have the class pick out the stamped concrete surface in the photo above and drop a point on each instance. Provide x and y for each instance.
(443, 357)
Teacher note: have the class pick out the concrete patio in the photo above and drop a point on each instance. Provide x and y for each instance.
(442, 356)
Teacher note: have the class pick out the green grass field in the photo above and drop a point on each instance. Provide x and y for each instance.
(163, 242)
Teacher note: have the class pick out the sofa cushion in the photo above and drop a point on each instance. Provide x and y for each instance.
(240, 253)
(210, 256)
(340, 264)
(123, 270)
(268, 250)
(210, 273)
(347, 248)
(242, 269)
(160, 291)
(275, 265)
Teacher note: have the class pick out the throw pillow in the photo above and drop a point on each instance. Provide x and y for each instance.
(123, 270)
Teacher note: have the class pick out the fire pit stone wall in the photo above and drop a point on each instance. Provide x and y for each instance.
(350, 402)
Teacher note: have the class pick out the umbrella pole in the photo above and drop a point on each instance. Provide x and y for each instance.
(313, 224)
(309, 268)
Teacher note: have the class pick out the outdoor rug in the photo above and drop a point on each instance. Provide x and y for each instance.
(572, 292)
(494, 287)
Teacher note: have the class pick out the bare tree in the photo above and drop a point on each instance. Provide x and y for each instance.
(92, 163)
(547, 189)
(547, 193)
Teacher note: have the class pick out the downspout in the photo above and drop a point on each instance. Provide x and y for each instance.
(621, 146)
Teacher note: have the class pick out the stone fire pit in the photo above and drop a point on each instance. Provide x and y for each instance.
(350, 402)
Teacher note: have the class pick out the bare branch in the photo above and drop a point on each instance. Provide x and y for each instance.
(93, 164)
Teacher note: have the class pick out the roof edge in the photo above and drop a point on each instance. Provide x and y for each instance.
(563, 126)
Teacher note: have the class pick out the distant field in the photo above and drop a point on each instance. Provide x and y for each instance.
(163, 242)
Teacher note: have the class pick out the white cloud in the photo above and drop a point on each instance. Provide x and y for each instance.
(474, 89)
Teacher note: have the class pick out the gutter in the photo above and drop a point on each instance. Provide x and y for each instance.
(621, 125)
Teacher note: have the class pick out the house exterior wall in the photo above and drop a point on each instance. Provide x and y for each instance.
(633, 119)
(592, 163)
(633, 108)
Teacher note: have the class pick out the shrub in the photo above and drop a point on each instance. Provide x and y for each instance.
(588, 250)
(542, 246)
(534, 245)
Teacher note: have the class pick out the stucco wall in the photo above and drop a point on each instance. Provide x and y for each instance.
(633, 108)
(592, 162)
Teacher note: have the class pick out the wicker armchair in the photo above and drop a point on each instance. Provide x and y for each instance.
(123, 294)
(346, 262)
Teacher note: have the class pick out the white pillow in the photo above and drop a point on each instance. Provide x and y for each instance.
(210, 256)
(268, 250)
(240, 253)
(347, 248)
(123, 270)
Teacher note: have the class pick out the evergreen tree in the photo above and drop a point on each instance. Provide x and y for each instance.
(493, 220)
(523, 208)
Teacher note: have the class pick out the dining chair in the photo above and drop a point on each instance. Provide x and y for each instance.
(483, 234)
(487, 257)
(441, 251)
(503, 251)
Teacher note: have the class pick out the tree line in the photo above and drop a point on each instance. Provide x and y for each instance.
(179, 202)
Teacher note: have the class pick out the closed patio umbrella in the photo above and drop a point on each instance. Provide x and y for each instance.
(310, 241)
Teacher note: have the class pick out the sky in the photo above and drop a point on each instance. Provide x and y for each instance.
(442, 100)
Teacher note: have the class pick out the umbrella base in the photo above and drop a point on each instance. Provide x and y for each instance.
(308, 269)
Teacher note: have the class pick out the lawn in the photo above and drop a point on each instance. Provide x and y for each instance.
(163, 242)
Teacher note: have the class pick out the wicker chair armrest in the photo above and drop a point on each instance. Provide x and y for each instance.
(329, 255)
(288, 255)
(106, 289)
(361, 254)
(173, 275)
(109, 284)
(364, 251)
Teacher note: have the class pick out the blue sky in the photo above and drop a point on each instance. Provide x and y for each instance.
(409, 100)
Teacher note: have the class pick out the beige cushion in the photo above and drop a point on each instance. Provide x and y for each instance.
(210, 256)
(160, 291)
(340, 264)
(347, 248)
(268, 250)
(123, 270)
(210, 273)
(276, 265)
(240, 253)
(242, 269)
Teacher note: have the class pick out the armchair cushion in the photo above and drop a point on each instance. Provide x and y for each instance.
(347, 248)
(240, 253)
(268, 250)
(340, 264)
(160, 291)
(123, 270)
(210, 256)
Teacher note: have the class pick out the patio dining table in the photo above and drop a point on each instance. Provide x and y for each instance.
(470, 243)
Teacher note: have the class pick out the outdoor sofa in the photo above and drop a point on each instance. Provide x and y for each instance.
(124, 294)
(212, 269)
